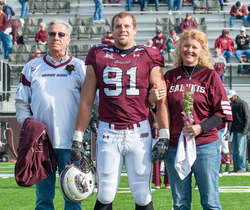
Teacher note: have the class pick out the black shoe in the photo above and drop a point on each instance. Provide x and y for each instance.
(227, 169)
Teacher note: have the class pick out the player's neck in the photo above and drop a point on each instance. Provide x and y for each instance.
(123, 51)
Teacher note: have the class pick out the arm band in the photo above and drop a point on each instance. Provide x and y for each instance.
(211, 123)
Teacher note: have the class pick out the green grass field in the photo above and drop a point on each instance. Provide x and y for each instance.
(13, 197)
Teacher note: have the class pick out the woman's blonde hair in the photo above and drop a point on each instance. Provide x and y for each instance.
(205, 56)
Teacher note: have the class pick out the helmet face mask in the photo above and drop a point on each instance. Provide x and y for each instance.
(77, 181)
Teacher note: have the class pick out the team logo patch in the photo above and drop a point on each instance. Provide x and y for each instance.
(179, 77)
(136, 55)
(109, 55)
(105, 137)
(144, 135)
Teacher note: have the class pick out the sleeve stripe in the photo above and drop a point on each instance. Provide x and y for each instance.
(227, 112)
(24, 81)
(225, 103)
(226, 107)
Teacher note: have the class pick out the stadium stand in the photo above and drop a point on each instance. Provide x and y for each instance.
(86, 33)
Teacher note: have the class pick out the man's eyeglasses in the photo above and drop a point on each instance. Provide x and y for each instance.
(60, 34)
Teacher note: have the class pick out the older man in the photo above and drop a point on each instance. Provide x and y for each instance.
(10, 27)
(54, 91)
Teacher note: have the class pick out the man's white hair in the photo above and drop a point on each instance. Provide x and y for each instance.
(60, 21)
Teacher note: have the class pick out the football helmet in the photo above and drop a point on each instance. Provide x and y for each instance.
(77, 181)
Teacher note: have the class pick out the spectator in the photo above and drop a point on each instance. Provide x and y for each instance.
(10, 27)
(150, 42)
(226, 44)
(242, 42)
(150, 1)
(221, 5)
(2, 21)
(239, 129)
(244, 59)
(25, 8)
(2, 16)
(171, 6)
(108, 39)
(238, 11)
(160, 42)
(9, 12)
(188, 23)
(157, 178)
(37, 54)
(41, 36)
(222, 131)
(130, 2)
(219, 63)
(98, 14)
(248, 16)
(172, 41)
(110, 1)
(156, 165)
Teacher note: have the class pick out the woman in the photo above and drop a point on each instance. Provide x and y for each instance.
(210, 108)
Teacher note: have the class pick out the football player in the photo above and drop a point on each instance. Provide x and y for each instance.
(123, 73)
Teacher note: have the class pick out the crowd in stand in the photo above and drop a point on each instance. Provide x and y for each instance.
(224, 45)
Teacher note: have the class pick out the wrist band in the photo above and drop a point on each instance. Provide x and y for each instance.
(78, 136)
(164, 133)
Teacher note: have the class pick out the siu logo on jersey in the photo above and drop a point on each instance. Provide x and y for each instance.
(109, 55)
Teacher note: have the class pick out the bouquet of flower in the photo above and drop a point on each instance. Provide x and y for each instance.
(187, 104)
(70, 68)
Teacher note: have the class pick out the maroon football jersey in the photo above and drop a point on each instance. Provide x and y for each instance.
(123, 82)
(209, 98)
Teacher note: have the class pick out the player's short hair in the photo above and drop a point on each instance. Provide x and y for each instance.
(123, 15)
(59, 21)
(205, 58)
